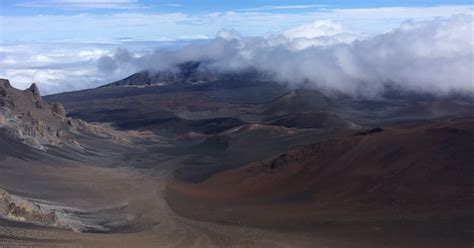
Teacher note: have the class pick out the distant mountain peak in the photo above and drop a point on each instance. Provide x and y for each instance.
(191, 72)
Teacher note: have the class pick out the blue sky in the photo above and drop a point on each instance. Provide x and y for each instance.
(48, 7)
(106, 20)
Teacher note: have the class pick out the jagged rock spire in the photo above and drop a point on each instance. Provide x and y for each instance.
(34, 89)
(4, 83)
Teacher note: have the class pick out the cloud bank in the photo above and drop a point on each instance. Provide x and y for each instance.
(435, 56)
(66, 66)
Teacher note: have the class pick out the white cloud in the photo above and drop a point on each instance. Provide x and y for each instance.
(357, 50)
(434, 56)
(57, 67)
(317, 33)
(316, 29)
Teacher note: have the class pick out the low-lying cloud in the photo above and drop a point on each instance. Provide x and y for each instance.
(67, 66)
(435, 56)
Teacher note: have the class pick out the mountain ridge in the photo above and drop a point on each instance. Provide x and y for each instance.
(191, 72)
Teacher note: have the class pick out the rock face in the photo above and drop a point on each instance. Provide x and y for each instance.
(58, 109)
(35, 91)
(26, 117)
(20, 209)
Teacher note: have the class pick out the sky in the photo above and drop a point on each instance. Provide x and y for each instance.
(65, 45)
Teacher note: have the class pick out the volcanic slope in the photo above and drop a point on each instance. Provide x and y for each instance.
(409, 179)
(418, 166)
(102, 193)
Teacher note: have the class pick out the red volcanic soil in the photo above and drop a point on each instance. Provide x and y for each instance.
(414, 168)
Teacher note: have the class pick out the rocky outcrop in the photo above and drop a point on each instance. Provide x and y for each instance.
(35, 91)
(58, 109)
(19, 209)
(26, 117)
(39, 212)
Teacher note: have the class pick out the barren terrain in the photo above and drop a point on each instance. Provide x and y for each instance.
(234, 161)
